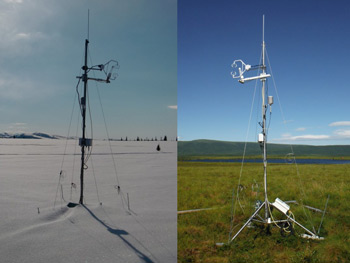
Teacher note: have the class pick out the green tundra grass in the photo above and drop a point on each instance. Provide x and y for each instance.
(210, 185)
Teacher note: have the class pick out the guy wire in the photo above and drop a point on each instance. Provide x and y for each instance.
(233, 209)
(106, 129)
(291, 146)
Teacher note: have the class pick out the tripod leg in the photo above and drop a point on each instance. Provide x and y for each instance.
(307, 230)
(249, 220)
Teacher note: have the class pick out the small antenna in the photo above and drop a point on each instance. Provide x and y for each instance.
(263, 29)
(88, 25)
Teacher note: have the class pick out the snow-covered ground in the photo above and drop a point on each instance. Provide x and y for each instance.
(37, 226)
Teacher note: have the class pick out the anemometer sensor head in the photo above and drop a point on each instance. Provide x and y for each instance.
(239, 68)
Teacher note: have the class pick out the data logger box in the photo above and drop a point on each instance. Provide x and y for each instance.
(281, 206)
(85, 142)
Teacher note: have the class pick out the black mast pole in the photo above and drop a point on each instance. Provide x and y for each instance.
(82, 142)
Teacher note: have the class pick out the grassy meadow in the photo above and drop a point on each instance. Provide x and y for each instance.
(210, 185)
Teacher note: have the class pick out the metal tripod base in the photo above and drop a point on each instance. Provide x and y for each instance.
(249, 220)
(268, 221)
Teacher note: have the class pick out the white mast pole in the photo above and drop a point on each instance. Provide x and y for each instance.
(264, 121)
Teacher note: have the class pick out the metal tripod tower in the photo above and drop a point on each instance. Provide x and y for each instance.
(239, 69)
(109, 69)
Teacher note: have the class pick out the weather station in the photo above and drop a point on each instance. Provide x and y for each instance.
(288, 222)
(108, 73)
(109, 69)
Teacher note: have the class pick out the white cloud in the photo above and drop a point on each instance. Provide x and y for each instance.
(173, 107)
(14, 1)
(342, 133)
(33, 36)
(301, 129)
(13, 87)
(17, 127)
(311, 137)
(23, 25)
(339, 123)
(339, 134)
(288, 137)
(22, 35)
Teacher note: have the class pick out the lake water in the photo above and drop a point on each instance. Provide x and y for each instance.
(298, 161)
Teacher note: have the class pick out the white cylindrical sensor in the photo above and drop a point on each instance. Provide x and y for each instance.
(270, 100)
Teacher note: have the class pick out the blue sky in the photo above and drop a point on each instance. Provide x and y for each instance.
(41, 53)
(308, 47)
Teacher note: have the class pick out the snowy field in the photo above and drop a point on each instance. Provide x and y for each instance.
(37, 226)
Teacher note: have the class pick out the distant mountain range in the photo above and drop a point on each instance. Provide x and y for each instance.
(224, 148)
(35, 135)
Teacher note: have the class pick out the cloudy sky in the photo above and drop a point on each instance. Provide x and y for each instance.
(41, 53)
(308, 47)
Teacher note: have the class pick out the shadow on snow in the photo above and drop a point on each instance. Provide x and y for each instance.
(120, 233)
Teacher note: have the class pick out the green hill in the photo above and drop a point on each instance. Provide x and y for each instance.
(223, 148)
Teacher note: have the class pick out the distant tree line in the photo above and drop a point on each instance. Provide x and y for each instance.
(146, 139)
